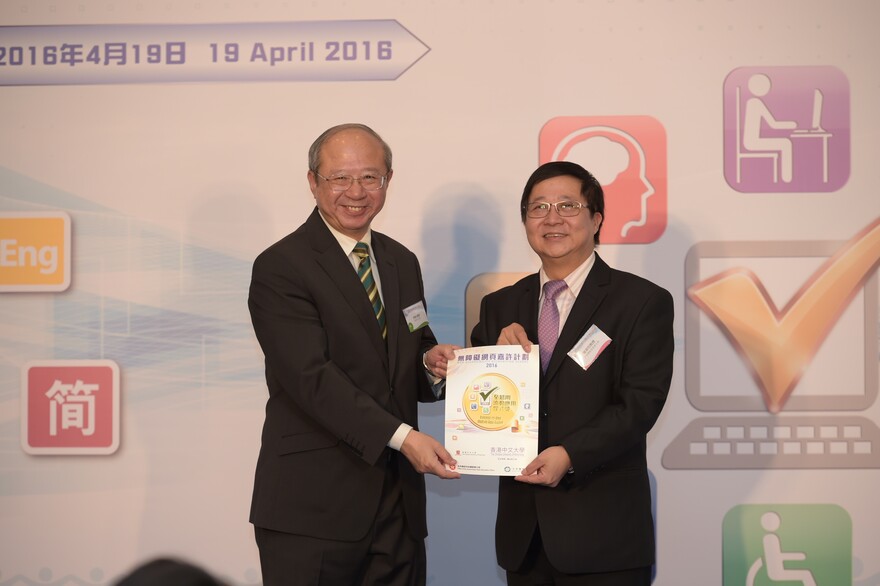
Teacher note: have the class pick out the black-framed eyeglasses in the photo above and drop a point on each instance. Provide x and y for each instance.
(344, 182)
(566, 209)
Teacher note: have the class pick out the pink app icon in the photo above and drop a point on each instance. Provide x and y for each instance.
(627, 155)
(70, 407)
(786, 129)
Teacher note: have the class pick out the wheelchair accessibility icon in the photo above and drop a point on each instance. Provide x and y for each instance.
(787, 544)
(774, 566)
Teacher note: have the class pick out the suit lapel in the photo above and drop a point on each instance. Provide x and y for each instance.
(528, 306)
(390, 278)
(338, 267)
(585, 306)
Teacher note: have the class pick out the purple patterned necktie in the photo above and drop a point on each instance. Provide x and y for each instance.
(548, 323)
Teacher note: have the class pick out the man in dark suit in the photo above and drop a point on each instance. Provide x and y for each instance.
(580, 513)
(339, 311)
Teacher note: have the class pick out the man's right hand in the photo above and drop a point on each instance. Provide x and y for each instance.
(515, 334)
(427, 455)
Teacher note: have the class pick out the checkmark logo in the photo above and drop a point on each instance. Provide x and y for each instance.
(487, 393)
(778, 345)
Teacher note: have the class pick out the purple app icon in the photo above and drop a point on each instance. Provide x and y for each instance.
(786, 129)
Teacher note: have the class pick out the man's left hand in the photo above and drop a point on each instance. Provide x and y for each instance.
(437, 358)
(548, 468)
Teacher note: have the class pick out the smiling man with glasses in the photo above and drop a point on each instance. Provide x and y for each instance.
(339, 311)
(580, 513)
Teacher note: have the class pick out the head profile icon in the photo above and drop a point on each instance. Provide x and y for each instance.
(627, 155)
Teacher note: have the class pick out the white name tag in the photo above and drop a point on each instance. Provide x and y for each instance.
(589, 347)
(416, 316)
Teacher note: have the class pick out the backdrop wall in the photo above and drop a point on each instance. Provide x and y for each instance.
(149, 151)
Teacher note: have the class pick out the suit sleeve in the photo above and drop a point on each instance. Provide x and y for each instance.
(292, 323)
(642, 389)
(428, 389)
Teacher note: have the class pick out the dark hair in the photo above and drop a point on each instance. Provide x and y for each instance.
(591, 190)
(168, 572)
(315, 149)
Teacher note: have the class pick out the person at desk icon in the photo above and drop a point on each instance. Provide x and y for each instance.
(756, 115)
(774, 558)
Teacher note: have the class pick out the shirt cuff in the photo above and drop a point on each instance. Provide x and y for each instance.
(438, 387)
(396, 441)
(438, 384)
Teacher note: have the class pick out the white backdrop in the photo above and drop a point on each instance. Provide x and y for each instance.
(174, 176)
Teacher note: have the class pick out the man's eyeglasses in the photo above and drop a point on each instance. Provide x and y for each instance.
(566, 209)
(344, 182)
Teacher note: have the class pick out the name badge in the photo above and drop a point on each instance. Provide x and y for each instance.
(589, 347)
(416, 316)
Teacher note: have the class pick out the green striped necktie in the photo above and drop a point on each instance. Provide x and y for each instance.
(365, 273)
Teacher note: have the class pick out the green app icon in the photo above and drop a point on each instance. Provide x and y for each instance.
(787, 545)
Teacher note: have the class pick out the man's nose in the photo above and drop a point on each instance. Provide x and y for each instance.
(553, 216)
(356, 189)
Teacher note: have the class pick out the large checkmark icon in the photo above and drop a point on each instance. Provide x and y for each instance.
(778, 345)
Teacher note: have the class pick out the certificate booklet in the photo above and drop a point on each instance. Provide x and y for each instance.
(492, 409)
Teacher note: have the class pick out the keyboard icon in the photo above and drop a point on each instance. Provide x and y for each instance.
(758, 442)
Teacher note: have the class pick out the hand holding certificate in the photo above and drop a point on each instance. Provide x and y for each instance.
(492, 409)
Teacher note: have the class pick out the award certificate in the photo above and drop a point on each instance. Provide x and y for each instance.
(492, 409)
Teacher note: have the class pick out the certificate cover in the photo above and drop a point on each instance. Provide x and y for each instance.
(492, 409)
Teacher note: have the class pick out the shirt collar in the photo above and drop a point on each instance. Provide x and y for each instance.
(575, 280)
(347, 242)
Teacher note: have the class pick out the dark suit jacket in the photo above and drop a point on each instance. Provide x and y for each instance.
(336, 395)
(598, 519)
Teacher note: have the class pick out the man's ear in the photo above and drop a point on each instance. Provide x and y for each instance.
(597, 222)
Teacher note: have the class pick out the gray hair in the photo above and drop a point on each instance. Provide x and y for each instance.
(315, 149)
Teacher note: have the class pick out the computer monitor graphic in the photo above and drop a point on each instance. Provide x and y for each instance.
(818, 424)
(816, 117)
(817, 110)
